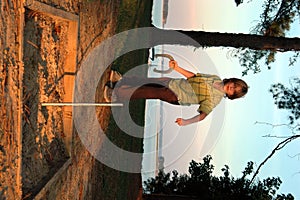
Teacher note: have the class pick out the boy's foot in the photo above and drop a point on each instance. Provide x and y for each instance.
(110, 84)
(107, 94)
(115, 76)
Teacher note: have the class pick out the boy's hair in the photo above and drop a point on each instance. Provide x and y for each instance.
(239, 82)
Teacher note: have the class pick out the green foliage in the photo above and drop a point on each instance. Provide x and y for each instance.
(288, 98)
(277, 17)
(251, 59)
(276, 20)
(201, 183)
(238, 2)
(294, 58)
(285, 197)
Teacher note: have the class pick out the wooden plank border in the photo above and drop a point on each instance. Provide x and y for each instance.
(68, 78)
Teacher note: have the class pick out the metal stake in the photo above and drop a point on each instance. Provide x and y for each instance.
(82, 104)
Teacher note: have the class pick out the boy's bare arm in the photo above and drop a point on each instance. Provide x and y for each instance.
(173, 64)
(197, 118)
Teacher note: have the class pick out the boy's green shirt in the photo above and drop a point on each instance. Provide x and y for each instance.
(198, 90)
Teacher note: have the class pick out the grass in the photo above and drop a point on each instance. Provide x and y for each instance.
(134, 14)
(117, 184)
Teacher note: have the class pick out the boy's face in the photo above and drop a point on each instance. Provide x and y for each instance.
(232, 88)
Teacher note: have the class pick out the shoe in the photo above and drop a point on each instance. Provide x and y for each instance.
(110, 84)
(107, 94)
(115, 76)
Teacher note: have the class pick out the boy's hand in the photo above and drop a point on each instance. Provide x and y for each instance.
(173, 64)
(181, 122)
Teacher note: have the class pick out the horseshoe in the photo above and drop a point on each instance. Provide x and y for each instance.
(166, 56)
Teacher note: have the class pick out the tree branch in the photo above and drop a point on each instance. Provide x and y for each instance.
(284, 9)
(296, 155)
(266, 11)
(277, 148)
(275, 136)
(293, 129)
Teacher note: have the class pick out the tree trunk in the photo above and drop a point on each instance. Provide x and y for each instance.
(214, 39)
(257, 42)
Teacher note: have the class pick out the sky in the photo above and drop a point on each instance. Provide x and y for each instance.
(230, 134)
